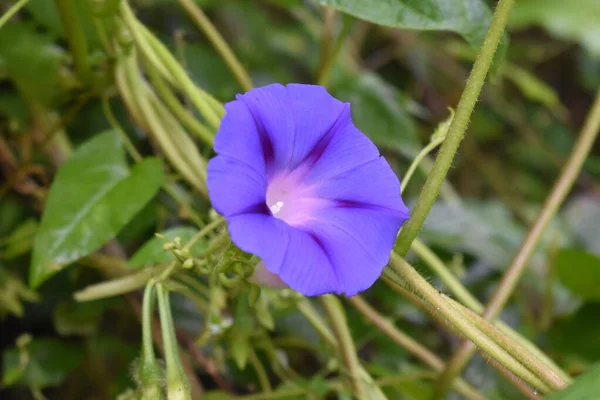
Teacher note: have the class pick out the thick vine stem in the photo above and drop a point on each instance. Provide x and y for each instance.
(509, 281)
(442, 164)
(466, 298)
(418, 285)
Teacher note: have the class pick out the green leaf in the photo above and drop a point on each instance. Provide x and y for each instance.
(92, 198)
(585, 387)
(40, 363)
(580, 272)
(468, 18)
(153, 253)
(577, 335)
(33, 62)
(379, 110)
(577, 20)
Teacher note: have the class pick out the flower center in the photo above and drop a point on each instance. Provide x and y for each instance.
(290, 200)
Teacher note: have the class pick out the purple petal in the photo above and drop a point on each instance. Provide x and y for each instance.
(263, 235)
(235, 187)
(372, 184)
(358, 242)
(291, 253)
(348, 149)
(290, 121)
(238, 138)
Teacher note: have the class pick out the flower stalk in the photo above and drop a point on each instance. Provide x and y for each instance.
(178, 387)
(148, 369)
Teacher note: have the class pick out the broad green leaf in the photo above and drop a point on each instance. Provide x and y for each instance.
(580, 272)
(577, 20)
(379, 111)
(41, 362)
(152, 251)
(92, 197)
(585, 387)
(468, 18)
(577, 335)
(33, 62)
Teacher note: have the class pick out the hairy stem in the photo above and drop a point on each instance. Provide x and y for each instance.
(457, 128)
(417, 284)
(466, 298)
(554, 200)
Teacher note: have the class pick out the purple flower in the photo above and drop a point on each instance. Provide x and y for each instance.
(302, 188)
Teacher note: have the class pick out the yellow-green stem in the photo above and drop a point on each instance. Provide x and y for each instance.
(457, 129)
(202, 21)
(509, 281)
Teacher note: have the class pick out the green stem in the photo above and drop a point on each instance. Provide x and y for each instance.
(512, 347)
(263, 378)
(178, 109)
(134, 153)
(12, 11)
(177, 382)
(164, 127)
(458, 320)
(170, 68)
(147, 318)
(220, 44)
(559, 192)
(457, 129)
(397, 284)
(553, 202)
(466, 298)
(411, 345)
(313, 317)
(413, 166)
(76, 37)
(347, 351)
(114, 287)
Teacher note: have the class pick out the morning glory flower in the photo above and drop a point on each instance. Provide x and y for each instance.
(303, 189)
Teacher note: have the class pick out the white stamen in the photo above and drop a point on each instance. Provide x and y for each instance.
(275, 208)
